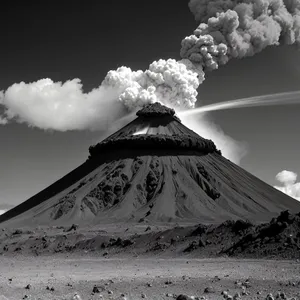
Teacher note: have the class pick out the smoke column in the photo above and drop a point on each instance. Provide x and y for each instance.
(226, 29)
(264, 100)
(64, 106)
(237, 29)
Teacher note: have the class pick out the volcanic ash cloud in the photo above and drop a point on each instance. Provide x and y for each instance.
(226, 30)
(237, 29)
(64, 106)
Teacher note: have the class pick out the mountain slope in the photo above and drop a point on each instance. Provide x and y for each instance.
(154, 170)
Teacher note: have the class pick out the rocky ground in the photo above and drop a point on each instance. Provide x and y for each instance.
(62, 277)
(144, 261)
(278, 239)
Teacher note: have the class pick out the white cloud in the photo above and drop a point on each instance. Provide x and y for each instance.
(286, 177)
(60, 106)
(230, 148)
(65, 106)
(290, 186)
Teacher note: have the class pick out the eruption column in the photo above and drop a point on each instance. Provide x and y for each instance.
(227, 29)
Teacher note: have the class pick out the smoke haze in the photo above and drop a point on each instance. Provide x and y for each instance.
(262, 100)
(231, 149)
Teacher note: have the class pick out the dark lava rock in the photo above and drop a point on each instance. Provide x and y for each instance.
(126, 243)
(286, 216)
(172, 241)
(17, 231)
(159, 246)
(184, 297)
(240, 225)
(96, 289)
(201, 229)
(119, 242)
(209, 290)
(201, 243)
(73, 227)
(192, 246)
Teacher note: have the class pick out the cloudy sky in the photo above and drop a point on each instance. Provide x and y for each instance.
(85, 40)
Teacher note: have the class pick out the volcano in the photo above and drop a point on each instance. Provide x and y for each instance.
(153, 170)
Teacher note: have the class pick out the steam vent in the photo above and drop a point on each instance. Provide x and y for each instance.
(153, 170)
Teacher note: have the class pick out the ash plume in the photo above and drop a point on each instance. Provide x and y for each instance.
(64, 106)
(226, 30)
(237, 29)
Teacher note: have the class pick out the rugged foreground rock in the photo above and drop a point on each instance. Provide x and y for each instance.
(278, 239)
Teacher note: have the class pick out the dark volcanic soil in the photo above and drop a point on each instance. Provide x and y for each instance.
(145, 261)
(278, 239)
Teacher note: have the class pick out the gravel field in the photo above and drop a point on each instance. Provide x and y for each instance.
(144, 278)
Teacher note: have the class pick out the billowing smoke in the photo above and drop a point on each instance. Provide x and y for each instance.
(289, 185)
(64, 106)
(236, 29)
(174, 83)
(227, 29)
(60, 106)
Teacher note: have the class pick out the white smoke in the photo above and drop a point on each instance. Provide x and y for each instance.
(236, 29)
(60, 106)
(64, 106)
(290, 186)
(231, 149)
(174, 83)
(227, 29)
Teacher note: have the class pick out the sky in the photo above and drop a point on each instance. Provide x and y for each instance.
(86, 39)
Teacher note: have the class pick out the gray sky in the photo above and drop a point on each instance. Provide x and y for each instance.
(86, 41)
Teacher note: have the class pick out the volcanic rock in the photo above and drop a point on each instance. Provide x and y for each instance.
(154, 169)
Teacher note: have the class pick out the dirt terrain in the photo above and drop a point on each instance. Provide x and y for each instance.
(153, 261)
(155, 212)
(277, 239)
(144, 278)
